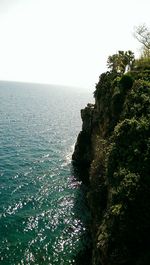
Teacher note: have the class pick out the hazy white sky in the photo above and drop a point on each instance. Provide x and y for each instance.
(65, 41)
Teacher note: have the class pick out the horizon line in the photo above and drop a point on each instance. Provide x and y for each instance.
(46, 84)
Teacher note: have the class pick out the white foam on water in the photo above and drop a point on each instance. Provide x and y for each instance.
(68, 156)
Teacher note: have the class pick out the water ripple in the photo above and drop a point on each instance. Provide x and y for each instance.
(42, 212)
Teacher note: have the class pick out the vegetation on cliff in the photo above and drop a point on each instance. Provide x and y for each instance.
(118, 142)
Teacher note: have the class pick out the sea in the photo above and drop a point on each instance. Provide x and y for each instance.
(44, 218)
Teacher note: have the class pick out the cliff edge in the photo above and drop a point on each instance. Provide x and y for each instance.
(114, 147)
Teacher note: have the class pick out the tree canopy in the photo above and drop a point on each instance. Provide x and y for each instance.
(121, 61)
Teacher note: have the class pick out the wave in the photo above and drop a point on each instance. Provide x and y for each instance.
(68, 156)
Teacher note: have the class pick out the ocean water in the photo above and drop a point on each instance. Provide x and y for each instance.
(43, 215)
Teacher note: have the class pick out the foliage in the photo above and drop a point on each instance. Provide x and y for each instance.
(142, 64)
(130, 146)
(137, 103)
(104, 84)
(126, 82)
(98, 162)
(126, 219)
(119, 145)
(127, 186)
(145, 53)
(123, 104)
(121, 61)
(103, 95)
(99, 188)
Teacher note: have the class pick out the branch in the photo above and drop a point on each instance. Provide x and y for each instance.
(142, 34)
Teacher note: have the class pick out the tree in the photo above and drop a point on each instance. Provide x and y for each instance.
(142, 34)
(121, 61)
(129, 59)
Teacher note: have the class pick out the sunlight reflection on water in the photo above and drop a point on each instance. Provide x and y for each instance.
(42, 211)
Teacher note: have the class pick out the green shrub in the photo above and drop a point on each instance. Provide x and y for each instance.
(142, 64)
(126, 82)
(137, 103)
(130, 147)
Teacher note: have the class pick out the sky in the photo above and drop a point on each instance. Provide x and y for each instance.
(66, 42)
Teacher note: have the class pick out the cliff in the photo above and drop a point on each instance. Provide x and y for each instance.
(114, 148)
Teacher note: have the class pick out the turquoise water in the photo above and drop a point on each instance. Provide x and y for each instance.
(43, 216)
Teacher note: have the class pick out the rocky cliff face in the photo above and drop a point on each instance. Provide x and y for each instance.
(82, 153)
(114, 147)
